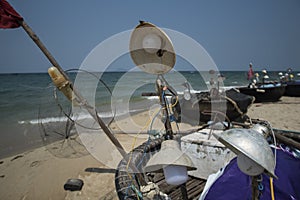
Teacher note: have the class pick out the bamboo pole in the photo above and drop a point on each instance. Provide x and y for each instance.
(42, 47)
(80, 99)
(83, 102)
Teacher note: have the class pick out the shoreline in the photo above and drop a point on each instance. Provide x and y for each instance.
(27, 136)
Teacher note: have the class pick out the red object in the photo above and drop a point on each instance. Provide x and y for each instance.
(9, 18)
(250, 74)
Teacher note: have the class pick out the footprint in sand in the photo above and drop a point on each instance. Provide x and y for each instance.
(35, 163)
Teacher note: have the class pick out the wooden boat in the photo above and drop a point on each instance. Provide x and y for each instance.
(292, 88)
(130, 185)
(203, 108)
(264, 92)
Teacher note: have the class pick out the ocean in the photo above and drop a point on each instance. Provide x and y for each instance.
(28, 106)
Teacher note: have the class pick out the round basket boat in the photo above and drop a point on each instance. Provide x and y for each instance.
(128, 183)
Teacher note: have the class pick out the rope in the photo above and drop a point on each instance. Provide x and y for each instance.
(275, 155)
(272, 189)
(173, 105)
(144, 152)
(234, 104)
(149, 122)
(131, 153)
(151, 125)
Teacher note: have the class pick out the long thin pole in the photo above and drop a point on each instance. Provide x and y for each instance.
(254, 187)
(83, 102)
(162, 98)
(42, 47)
(90, 109)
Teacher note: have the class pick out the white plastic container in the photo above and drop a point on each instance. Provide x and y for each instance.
(175, 175)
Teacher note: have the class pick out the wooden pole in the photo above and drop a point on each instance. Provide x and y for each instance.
(42, 47)
(83, 102)
(255, 191)
(287, 141)
(160, 89)
(184, 192)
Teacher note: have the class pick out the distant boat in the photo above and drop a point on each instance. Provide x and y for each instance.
(269, 92)
(292, 88)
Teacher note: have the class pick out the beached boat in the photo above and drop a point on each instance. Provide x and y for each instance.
(202, 107)
(265, 92)
(292, 88)
(292, 84)
(154, 186)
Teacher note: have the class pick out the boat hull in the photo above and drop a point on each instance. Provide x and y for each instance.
(292, 89)
(231, 107)
(264, 94)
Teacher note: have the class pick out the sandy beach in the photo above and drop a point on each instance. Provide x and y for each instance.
(38, 174)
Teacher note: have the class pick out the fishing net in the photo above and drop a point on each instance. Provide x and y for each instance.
(57, 122)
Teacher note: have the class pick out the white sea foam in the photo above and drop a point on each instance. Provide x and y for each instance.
(151, 97)
(80, 117)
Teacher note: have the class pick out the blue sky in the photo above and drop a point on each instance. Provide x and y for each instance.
(233, 32)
